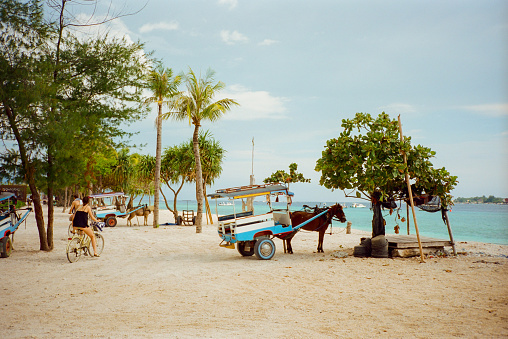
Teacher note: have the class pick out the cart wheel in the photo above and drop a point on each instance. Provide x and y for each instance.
(179, 220)
(240, 246)
(99, 242)
(6, 247)
(264, 248)
(111, 222)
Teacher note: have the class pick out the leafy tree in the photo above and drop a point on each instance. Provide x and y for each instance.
(367, 158)
(164, 86)
(178, 166)
(61, 104)
(197, 105)
(144, 169)
(177, 169)
(288, 178)
(24, 71)
(212, 157)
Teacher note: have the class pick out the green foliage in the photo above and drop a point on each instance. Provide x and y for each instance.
(288, 178)
(163, 84)
(197, 104)
(367, 157)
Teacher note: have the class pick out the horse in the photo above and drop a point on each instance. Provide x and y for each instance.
(145, 212)
(319, 225)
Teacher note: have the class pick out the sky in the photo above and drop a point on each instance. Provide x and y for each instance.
(297, 68)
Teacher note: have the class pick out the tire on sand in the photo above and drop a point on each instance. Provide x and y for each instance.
(6, 247)
(379, 247)
(360, 251)
(111, 221)
(241, 245)
(264, 248)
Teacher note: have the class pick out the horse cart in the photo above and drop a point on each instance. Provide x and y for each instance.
(251, 233)
(108, 207)
(10, 219)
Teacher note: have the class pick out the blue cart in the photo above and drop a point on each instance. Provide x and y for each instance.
(251, 233)
(10, 219)
(108, 207)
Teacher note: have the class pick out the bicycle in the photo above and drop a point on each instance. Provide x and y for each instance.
(80, 243)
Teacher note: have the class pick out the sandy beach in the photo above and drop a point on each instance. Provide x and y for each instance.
(173, 283)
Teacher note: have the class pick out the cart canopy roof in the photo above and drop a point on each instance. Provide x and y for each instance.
(6, 195)
(107, 195)
(250, 191)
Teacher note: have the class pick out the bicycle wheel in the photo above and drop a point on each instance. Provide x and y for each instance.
(99, 241)
(70, 232)
(74, 249)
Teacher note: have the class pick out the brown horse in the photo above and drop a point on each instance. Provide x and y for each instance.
(142, 212)
(319, 225)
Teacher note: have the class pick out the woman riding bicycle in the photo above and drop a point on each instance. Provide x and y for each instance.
(80, 222)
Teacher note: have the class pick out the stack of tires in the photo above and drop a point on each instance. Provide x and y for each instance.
(379, 247)
(364, 249)
(376, 247)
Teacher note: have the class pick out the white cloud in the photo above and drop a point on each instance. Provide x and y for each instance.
(254, 105)
(166, 26)
(493, 110)
(267, 42)
(397, 108)
(232, 37)
(231, 3)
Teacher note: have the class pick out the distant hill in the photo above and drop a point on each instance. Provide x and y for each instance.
(480, 200)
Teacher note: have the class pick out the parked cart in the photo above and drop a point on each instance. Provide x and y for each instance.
(251, 233)
(108, 207)
(10, 219)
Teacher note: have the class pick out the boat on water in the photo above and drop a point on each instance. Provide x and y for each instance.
(225, 203)
(357, 205)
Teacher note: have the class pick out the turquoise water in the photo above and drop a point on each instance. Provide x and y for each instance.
(482, 223)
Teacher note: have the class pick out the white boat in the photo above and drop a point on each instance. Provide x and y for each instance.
(226, 203)
(355, 205)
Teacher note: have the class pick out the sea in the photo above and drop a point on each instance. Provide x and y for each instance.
(469, 222)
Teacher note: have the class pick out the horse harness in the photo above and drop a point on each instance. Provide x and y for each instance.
(316, 210)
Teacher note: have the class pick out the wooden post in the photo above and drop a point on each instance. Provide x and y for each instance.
(450, 232)
(410, 192)
(407, 218)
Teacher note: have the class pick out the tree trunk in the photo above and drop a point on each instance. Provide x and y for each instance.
(157, 179)
(378, 222)
(51, 192)
(30, 177)
(49, 232)
(199, 179)
(65, 200)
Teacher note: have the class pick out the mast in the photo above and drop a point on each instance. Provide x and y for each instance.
(250, 201)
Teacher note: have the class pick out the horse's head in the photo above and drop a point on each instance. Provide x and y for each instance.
(337, 212)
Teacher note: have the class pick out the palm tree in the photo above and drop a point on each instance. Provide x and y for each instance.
(196, 105)
(163, 86)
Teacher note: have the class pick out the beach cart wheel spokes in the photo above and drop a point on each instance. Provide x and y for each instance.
(111, 221)
(74, 249)
(242, 246)
(264, 248)
(6, 247)
(99, 242)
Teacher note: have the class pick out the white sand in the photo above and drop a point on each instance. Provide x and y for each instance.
(172, 282)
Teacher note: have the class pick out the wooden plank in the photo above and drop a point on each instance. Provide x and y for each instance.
(409, 241)
(412, 252)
